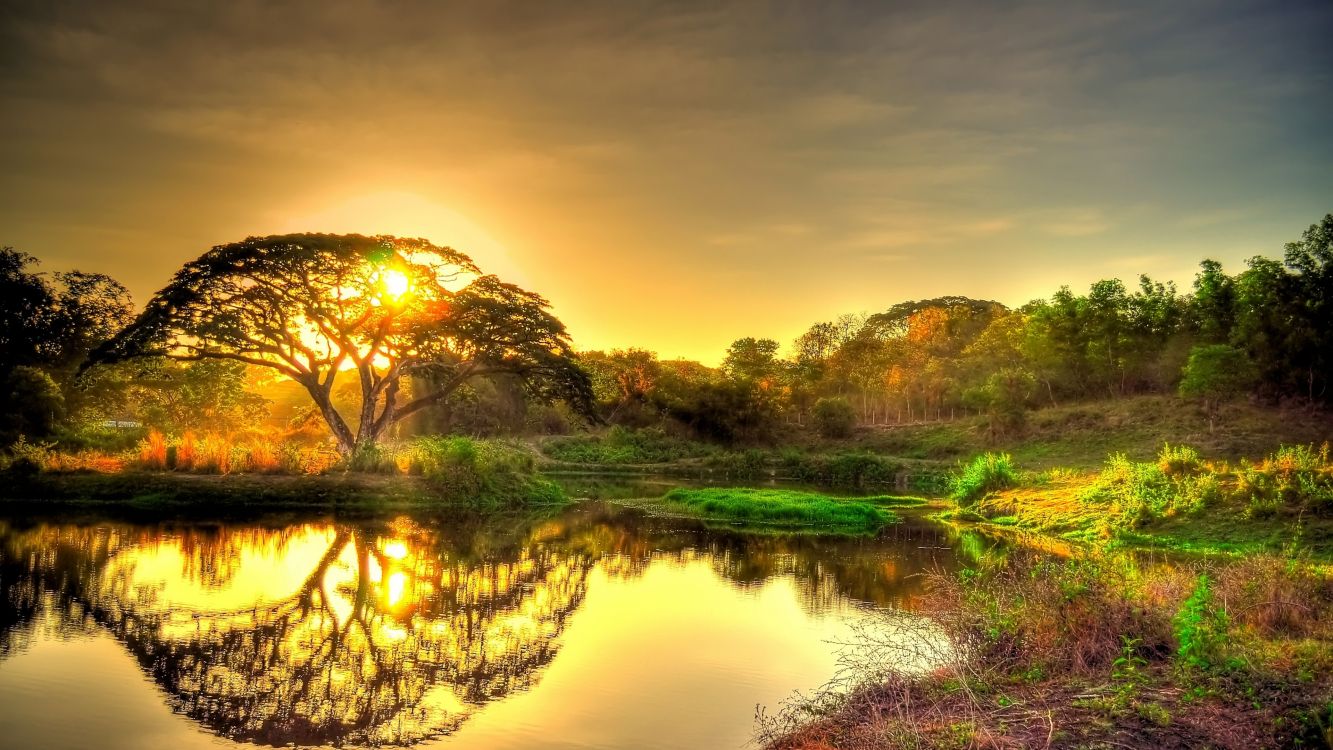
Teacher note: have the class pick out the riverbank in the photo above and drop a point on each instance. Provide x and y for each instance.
(234, 495)
(1227, 643)
(1092, 652)
(1280, 503)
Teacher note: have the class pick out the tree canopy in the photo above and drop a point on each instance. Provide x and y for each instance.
(317, 306)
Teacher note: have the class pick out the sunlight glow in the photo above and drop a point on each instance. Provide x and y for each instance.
(395, 283)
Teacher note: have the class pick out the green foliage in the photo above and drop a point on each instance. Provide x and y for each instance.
(1136, 493)
(1178, 459)
(621, 446)
(1005, 398)
(1200, 628)
(983, 475)
(1295, 476)
(782, 508)
(1216, 373)
(843, 469)
(31, 404)
(481, 473)
(747, 464)
(834, 417)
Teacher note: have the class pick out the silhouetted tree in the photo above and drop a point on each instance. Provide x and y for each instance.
(313, 306)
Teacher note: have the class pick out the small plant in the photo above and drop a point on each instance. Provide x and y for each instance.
(1178, 459)
(153, 451)
(1200, 630)
(985, 474)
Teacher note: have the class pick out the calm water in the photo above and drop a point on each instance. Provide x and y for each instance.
(593, 628)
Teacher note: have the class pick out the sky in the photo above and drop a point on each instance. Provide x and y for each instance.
(674, 176)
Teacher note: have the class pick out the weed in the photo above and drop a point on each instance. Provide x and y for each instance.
(985, 474)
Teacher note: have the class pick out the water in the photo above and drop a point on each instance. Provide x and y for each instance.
(595, 627)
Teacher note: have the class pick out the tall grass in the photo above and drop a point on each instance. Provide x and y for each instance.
(781, 508)
(842, 469)
(620, 446)
(481, 473)
(1093, 651)
(985, 474)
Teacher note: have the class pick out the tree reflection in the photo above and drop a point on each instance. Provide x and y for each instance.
(386, 640)
(394, 632)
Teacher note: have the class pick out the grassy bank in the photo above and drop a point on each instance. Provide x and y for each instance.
(782, 509)
(1179, 500)
(458, 472)
(1096, 652)
(919, 457)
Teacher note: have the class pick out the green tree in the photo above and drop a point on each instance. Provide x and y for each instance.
(834, 417)
(1213, 307)
(751, 360)
(206, 396)
(1215, 373)
(1311, 341)
(316, 306)
(31, 402)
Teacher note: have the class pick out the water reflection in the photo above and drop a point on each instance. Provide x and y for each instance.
(388, 632)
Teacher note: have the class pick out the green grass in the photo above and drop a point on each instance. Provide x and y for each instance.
(983, 475)
(1082, 435)
(787, 508)
(620, 447)
(1180, 502)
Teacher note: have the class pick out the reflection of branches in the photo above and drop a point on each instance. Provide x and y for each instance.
(885, 571)
(391, 633)
(335, 662)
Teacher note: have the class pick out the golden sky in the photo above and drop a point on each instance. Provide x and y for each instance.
(676, 175)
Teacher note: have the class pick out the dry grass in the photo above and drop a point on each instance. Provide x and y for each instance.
(1084, 653)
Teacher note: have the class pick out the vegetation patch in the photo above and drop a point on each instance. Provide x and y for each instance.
(621, 446)
(787, 508)
(457, 471)
(1180, 502)
(983, 475)
(1102, 651)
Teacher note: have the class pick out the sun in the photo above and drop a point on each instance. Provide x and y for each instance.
(395, 284)
(406, 214)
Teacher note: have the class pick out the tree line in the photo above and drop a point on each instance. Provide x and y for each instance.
(1266, 331)
(491, 359)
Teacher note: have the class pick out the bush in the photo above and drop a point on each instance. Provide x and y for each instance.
(621, 446)
(985, 474)
(1296, 477)
(750, 464)
(834, 417)
(1180, 459)
(483, 474)
(1200, 629)
(845, 469)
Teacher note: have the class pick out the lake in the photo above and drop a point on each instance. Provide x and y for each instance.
(591, 627)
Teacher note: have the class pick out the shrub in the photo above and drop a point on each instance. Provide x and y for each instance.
(985, 474)
(834, 417)
(153, 451)
(622, 446)
(483, 474)
(843, 469)
(1295, 476)
(1199, 628)
(1180, 459)
(749, 464)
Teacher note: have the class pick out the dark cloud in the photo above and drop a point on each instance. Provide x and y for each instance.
(916, 148)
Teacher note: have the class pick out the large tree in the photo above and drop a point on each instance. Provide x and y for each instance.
(316, 307)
